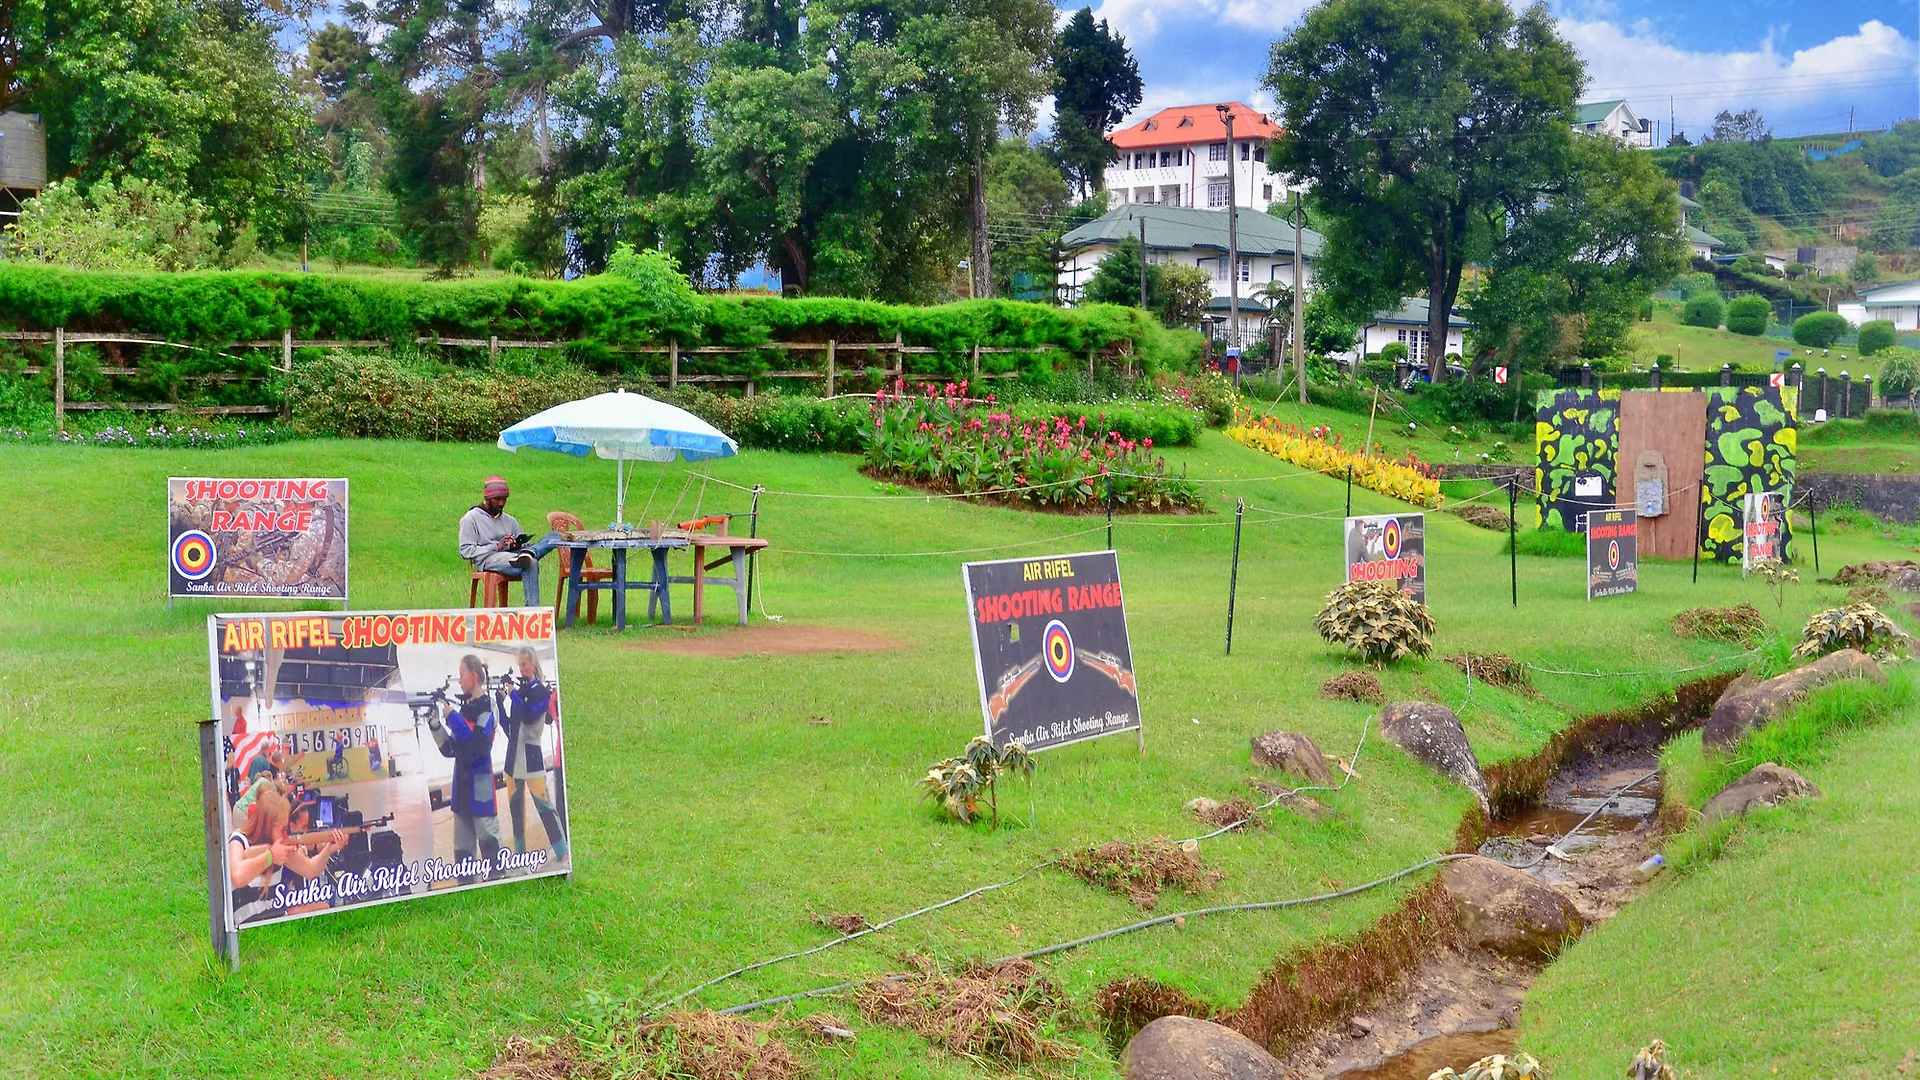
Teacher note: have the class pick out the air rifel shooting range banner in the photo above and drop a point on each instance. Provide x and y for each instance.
(1050, 645)
(1613, 553)
(367, 758)
(257, 538)
(1389, 547)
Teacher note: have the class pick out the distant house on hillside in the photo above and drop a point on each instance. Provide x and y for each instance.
(1188, 237)
(1179, 157)
(1613, 118)
(1407, 324)
(1898, 303)
(1701, 243)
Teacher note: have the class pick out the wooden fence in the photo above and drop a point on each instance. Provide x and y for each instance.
(831, 372)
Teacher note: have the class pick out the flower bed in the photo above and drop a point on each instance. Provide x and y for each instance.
(1408, 479)
(942, 439)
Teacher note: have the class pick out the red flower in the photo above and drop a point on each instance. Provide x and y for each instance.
(1148, 443)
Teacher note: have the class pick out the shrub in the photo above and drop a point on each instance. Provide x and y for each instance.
(957, 783)
(776, 421)
(1209, 393)
(1749, 315)
(1160, 425)
(1376, 620)
(1876, 336)
(135, 226)
(408, 396)
(1899, 372)
(1741, 624)
(1855, 626)
(1820, 329)
(1393, 352)
(1409, 479)
(1703, 310)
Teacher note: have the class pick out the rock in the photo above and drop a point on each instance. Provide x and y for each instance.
(1182, 1048)
(1432, 734)
(1764, 785)
(1734, 716)
(1293, 752)
(1203, 806)
(1741, 683)
(1361, 1025)
(1507, 911)
(1904, 581)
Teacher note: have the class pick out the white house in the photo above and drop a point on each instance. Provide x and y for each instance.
(1701, 243)
(1407, 324)
(1899, 304)
(1613, 118)
(1188, 237)
(1180, 157)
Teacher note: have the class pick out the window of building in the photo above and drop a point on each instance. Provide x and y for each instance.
(1260, 151)
(1246, 151)
(1246, 268)
(1143, 195)
(1216, 196)
(1266, 192)
(1416, 343)
(1170, 196)
(1217, 151)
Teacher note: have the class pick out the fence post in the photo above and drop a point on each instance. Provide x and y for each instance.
(286, 370)
(1586, 375)
(673, 364)
(60, 380)
(1797, 375)
(830, 372)
(1726, 374)
(976, 367)
(1233, 576)
(749, 387)
(1846, 395)
(1866, 393)
(1653, 378)
(1821, 374)
(493, 347)
(899, 356)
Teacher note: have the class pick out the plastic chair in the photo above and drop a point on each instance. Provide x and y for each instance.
(561, 521)
(496, 585)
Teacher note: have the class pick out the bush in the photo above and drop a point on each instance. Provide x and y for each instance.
(1899, 373)
(1876, 336)
(1376, 620)
(1162, 425)
(1409, 481)
(777, 421)
(1703, 310)
(1208, 393)
(135, 226)
(1856, 626)
(1820, 329)
(1749, 315)
(395, 395)
(1393, 352)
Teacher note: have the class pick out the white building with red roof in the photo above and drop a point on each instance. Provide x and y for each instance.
(1180, 157)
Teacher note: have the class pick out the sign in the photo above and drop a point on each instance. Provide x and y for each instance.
(1500, 375)
(1389, 547)
(1763, 517)
(1777, 379)
(1050, 646)
(368, 758)
(1781, 356)
(257, 538)
(1613, 553)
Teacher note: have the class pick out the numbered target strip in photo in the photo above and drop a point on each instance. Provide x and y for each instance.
(193, 555)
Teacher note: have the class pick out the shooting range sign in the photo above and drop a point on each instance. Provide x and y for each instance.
(368, 758)
(1389, 547)
(1763, 517)
(257, 538)
(1613, 553)
(1050, 646)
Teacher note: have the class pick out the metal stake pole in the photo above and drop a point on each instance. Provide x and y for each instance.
(1109, 511)
(1233, 579)
(753, 530)
(1699, 526)
(225, 941)
(1513, 538)
(1813, 517)
(1349, 491)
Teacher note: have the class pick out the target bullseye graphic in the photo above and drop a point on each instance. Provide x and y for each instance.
(1058, 646)
(193, 555)
(1390, 538)
(1613, 554)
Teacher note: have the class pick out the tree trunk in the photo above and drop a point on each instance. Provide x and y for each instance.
(1439, 308)
(795, 275)
(540, 138)
(981, 262)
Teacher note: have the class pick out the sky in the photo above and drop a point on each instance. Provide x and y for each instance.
(1803, 63)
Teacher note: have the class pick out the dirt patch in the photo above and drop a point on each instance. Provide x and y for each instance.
(782, 640)
(1127, 1005)
(1856, 573)
(1236, 812)
(534, 1059)
(1487, 517)
(1139, 871)
(1361, 686)
(1495, 669)
(709, 1046)
(1876, 595)
(1000, 1012)
(1741, 624)
(845, 923)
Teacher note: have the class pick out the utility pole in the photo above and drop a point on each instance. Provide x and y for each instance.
(1143, 262)
(1233, 248)
(1299, 214)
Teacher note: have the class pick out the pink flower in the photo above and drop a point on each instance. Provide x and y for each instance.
(1148, 443)
(1085, 454)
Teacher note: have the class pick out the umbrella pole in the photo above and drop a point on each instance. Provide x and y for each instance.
(619, 491)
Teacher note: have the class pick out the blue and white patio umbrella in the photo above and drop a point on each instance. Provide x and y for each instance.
(621, 427)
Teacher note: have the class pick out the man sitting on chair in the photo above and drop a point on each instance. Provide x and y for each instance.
(490, 539)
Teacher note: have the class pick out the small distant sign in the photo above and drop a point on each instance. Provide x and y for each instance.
(1500, 375)
(1781, 356)
(1389, 547)
(1776, 379)
(1613, 553)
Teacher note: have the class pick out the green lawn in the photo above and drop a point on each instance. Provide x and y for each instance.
(710, 819)
(1695, 348)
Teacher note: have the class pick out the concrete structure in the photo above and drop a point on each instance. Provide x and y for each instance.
(23, 160)
(1838, 259)
(1179, 157)
(1407, 324)
(1188, 237)
(1613, 118)
(1899, 304)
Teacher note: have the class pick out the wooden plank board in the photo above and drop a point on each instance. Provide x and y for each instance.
(147, 406)
(1674, 423)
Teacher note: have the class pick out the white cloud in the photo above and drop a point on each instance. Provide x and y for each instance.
(1808, 89)
(1141, 20)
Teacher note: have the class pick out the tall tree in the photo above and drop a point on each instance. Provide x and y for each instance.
(1096, 84)
(1747, 125)
(1414, 118)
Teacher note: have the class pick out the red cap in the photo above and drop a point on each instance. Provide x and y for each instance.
(494, 486)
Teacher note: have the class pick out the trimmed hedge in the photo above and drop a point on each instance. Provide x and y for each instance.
(1876, 336)
(1749, 315)
(1820, 329)
(602, 312)
(1703, 310)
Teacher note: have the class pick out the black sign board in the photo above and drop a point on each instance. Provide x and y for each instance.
(1050, 646)
(1613, 552)
(1389, 547)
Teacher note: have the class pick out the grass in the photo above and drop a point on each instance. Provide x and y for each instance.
(1887, 441)
(1696, 348)
(710, 819)
(1786, 948)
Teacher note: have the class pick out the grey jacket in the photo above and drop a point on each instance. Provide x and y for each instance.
(479, 532)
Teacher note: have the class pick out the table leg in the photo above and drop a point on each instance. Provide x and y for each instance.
(619, 588)
(699, 584)
(574, 581)
(663, 585)
(742, 592)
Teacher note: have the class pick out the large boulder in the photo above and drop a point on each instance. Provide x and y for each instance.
(1294, 753)
(1734, 716)
(1182, 1048)
(1907, 580)
(1432, 734)
(1506, 911)
(1765, 784)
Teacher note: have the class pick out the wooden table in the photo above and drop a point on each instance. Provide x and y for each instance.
(734, 549)
(655, 585)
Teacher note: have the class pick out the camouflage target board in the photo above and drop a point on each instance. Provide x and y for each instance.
(257, 537)
(1050, 646)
